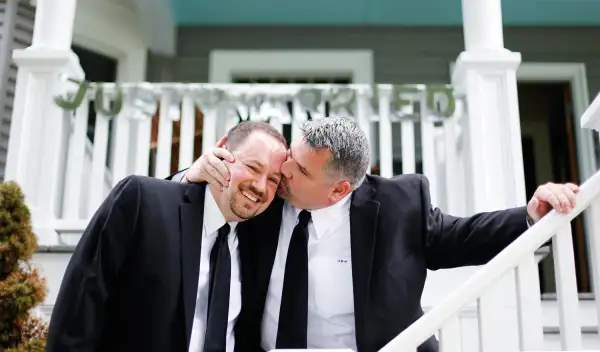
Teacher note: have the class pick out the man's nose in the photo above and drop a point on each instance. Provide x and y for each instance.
(261, 184)
(286, 169)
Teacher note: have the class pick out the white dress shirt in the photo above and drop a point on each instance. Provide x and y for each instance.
(330, 290)
(213, 221)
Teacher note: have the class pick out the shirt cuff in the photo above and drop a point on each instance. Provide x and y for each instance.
(530, 221)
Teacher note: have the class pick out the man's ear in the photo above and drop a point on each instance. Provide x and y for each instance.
(221, 142)
(340, 190)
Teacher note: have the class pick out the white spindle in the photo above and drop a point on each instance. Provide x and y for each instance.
(592, 216)
(75, 162)
(121, 151)
(529, 305)
(440, 168)
(450, 336)
(452, 180)
(98, 163)
(409, 162)
(187, 132)
(298, 118)
(275, 122)
(386, 160)
(165, 138)
(428, 156)
(142, 146)
(363, 115)
(491, 322)
(209, 128)
(566, 288)
(321, 110)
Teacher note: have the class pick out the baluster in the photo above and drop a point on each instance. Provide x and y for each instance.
(529, 305)
(491, 322)
(75, 162)
(142, 145)
(121, 151)
(386, 160)
(363, 116)
(187, 132)
(409, 163)
(450, 336)
(209, 127)
(428, 151)
(97, 181)
(165, 138)
(454, 192)
(298, 118)
(592, 216)
(566, 288)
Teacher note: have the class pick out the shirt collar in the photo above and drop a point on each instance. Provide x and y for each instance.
(323, 219)
(213, 217)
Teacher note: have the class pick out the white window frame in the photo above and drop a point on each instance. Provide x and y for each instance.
(224, 65)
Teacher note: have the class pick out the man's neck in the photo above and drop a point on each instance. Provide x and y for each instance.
(224, 208)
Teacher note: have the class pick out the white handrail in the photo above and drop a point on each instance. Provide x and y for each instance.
(485, 277)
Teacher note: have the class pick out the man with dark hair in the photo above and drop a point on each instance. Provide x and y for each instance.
(157, 268)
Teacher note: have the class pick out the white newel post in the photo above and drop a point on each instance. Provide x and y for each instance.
(39, 127)
(486, 73)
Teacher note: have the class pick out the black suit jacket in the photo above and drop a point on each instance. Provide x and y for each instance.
(395, 237)
(131, 283)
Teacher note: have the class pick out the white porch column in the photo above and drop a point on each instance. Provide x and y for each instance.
(486, 73)
(39, 128)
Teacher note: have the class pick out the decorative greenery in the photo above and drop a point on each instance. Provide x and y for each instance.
(84, 86)
(21, 286)
(339, 97)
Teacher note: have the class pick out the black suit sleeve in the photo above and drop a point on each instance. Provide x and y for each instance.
(78, 316)
(451, 241)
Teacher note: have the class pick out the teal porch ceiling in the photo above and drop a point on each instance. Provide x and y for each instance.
(378, 12)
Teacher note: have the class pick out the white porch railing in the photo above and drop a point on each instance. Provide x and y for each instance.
(162, 126)
(520, 256)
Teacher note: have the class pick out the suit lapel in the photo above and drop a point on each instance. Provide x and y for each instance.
(191, 216)
(363, 225)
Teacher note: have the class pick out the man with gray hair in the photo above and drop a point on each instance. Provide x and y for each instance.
(342, 262)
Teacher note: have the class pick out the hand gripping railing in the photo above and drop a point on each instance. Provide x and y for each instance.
(513, 256)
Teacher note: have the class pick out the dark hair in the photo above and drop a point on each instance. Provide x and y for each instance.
(238, 134)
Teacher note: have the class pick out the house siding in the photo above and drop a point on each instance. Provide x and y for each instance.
(401, 54)
(16, 32)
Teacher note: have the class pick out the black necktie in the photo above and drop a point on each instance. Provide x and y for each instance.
(293, 312)
(218, 293)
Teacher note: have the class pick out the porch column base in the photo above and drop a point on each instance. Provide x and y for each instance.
(495, 165)
(39, 133)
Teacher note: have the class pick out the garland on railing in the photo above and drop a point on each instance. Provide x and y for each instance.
(249, 101)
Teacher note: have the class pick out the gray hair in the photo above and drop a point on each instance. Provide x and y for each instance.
(349, 147)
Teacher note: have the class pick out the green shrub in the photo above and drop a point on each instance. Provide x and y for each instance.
(21, 286)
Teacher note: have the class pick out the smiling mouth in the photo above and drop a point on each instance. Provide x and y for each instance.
(250, 196)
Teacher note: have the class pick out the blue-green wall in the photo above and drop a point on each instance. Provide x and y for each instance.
(378, 12)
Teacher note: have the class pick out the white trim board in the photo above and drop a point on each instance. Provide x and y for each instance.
(113, 28)
(224, 64)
